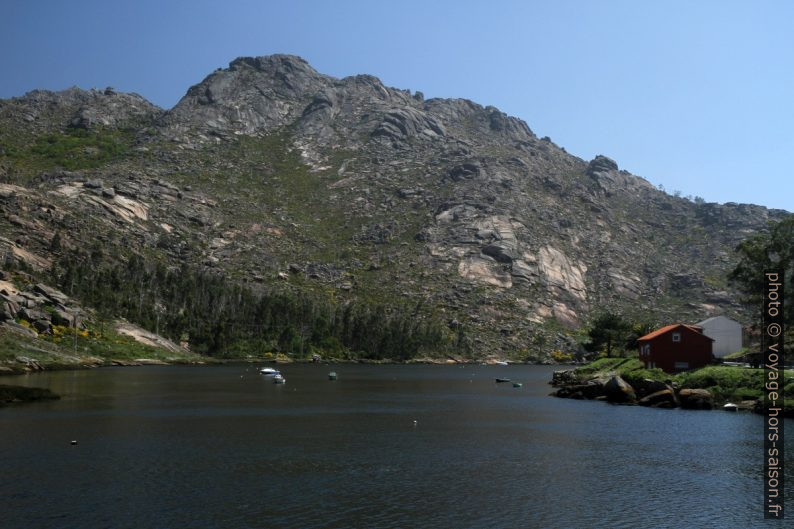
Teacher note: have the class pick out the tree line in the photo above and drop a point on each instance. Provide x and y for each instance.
(223, 318)
(771, 250)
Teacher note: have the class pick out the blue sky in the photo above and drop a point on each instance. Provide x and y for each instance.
(696, 96)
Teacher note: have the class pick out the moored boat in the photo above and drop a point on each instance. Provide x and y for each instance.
(279, 379)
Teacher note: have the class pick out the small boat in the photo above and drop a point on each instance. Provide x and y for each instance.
(269, 371)
(502, 363)
(279, 379)
(730, 407)
(332, 375)
(517, 384)
(500, 380)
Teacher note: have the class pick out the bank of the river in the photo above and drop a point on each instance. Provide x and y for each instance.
(21, 353)
(626, 381)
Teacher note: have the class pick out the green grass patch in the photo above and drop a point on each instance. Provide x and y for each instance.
(628, 368)
(733, 383)
(74, 149)
(13, 345)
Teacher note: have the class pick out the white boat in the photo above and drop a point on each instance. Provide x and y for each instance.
(279, 379)
(730, 407)
(269, 371)
(502, 363)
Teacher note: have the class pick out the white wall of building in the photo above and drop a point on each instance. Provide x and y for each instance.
(726, 333)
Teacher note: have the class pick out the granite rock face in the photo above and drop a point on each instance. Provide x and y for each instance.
(369, 191)
(45, 111)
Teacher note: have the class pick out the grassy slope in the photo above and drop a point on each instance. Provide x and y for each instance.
(82, 349)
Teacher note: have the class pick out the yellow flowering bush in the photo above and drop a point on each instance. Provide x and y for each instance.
(561, 358)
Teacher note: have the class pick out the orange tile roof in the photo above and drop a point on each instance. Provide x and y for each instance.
(667, 328)
(657, 332)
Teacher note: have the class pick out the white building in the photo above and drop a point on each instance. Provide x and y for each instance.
(726, 333)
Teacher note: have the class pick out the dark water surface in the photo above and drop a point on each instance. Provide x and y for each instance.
(201, 447)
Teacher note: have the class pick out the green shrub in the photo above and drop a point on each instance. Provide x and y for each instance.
(748, 394)
(72, 150)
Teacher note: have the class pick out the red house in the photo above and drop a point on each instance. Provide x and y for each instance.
(677, 347)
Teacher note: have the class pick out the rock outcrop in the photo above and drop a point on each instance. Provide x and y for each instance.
(615, 389)
(618, 390)
(37, 309)
(696, 399)
(665, 398)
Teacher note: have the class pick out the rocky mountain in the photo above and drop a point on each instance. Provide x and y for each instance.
(277, 176)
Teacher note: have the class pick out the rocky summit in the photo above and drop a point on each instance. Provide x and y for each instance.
(273, 175)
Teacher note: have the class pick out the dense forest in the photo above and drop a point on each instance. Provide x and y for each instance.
(222, 318)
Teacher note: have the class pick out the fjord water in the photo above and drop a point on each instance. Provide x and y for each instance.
(206, 447)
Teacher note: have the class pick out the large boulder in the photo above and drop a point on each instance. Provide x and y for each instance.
(646, 387)
(32, 315)
(67, 318)
(501, 251)
(8, 309)
(42, 326)
(53, 294)
(591, 390)
(696, 399)
(618, 390)
(664, 398)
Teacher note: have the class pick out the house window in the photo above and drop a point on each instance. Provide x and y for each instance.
(676, 336)
(682, 365)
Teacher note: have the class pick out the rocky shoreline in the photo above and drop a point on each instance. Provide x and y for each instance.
(24, 365)
(615, 389)
(645, 392)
